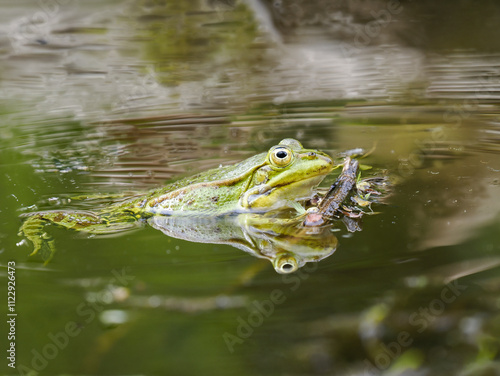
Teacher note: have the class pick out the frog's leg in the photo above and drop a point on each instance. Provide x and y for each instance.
(32, 229)
(92, 223)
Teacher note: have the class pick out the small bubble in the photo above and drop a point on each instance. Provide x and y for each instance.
(222, 301)
(120, 294)
(154, 301)
(54, 200)
(416, 281)
(113, 317)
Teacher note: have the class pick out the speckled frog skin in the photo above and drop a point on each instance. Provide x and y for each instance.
(264, 182)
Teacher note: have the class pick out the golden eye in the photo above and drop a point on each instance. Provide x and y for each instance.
(281, 156)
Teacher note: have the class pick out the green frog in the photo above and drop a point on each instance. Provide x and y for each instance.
(268, 182)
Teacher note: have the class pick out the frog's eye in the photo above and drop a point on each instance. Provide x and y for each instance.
(281, 156)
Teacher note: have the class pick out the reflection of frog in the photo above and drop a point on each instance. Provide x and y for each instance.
(287, 243)
(266, 182)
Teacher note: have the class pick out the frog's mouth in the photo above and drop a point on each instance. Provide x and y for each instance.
(298, 190)
(265, 197)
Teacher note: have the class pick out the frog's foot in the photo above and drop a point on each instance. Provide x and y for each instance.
(84, 221)
(33, 230)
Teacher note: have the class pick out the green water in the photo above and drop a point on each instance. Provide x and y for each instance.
(115, 96)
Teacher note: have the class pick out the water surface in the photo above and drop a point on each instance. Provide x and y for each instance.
(115, 96)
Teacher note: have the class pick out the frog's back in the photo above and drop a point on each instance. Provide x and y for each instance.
(216, 191)
(220, 174)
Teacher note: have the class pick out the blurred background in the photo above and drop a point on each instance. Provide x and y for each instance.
(119, 96)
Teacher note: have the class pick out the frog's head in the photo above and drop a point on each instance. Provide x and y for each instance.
(288, 244)
(290, 172)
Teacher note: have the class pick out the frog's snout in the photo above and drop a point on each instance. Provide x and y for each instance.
(324, 162)
(285, 264)
(327, 160)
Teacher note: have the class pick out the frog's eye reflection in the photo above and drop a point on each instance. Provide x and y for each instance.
(281, 156)
(287, 267)
(285, 264)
